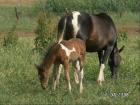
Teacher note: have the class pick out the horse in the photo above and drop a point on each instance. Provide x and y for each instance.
(99, 33)
(63, 53)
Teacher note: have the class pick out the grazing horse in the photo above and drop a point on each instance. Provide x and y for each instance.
(63, 53)
(98, 32)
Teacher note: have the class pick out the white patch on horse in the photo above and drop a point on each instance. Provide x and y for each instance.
(67, 51)
(75, 22)
(101, 74)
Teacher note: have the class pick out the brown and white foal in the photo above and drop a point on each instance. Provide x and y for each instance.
(63, 53)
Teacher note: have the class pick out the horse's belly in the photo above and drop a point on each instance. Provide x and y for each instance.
(93, 46)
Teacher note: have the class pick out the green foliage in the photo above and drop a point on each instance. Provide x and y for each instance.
(119, 6)
(44, 32)
(11, 38)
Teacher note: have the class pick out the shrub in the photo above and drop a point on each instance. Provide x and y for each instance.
(119, 6)
(44, 32)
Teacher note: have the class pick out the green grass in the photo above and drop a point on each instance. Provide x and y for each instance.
(28, 18)
(128, 19)
(19, 80)
(27, 21)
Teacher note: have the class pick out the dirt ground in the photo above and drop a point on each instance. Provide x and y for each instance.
(134, 30)
(129, 29)
(16, 2)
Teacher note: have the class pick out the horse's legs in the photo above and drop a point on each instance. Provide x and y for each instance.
(66, 68)
(100, 56)
(105, 56)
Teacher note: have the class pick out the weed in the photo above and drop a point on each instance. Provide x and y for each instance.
(122, 36)
(11, 38)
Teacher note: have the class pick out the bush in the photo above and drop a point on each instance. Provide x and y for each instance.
(119, 6)
(44, 32)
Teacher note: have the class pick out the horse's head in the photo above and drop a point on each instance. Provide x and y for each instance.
(115, 61)
(43, 76)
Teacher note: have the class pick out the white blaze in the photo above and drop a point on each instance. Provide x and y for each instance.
(67, 51)
(101, 74)
(75, 22)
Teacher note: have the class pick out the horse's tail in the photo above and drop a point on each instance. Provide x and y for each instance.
(61, 29)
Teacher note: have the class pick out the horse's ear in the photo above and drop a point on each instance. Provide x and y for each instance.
(121, 49)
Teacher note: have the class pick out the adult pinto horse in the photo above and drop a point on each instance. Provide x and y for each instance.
(98, 32)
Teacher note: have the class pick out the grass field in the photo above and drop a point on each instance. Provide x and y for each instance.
(19, 82)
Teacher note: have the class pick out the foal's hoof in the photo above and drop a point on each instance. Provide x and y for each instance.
(100, 82)
(81, 90)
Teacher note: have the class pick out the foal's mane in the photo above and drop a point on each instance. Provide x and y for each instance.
(50, 49)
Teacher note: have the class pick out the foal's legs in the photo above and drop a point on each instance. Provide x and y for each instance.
(56, 74)
(103, 58)
(80, 72)
(76, 71)
(66, 68)
(81, 75)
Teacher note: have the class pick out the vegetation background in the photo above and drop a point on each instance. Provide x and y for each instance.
(27, 30)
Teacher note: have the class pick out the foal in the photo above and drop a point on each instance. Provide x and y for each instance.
(63, 53)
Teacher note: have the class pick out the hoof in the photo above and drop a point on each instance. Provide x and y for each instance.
(100, 82)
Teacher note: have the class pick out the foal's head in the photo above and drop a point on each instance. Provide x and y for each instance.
(43, 76)
(44, 68)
